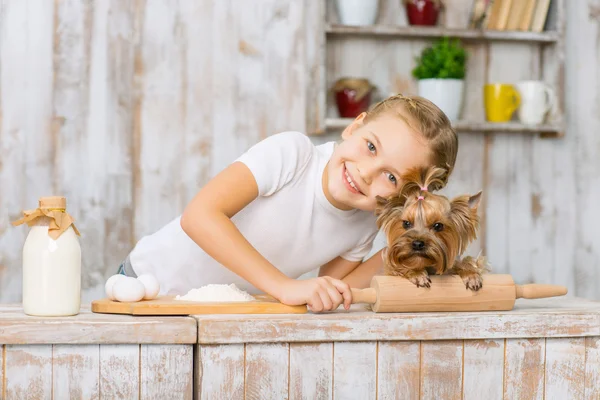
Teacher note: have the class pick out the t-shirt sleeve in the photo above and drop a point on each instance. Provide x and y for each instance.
(359, 252)
(277, 160)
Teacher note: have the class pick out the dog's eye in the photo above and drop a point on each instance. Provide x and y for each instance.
(406, 224)
(438, 226)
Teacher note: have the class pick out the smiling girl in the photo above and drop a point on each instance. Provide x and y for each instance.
(286, 207)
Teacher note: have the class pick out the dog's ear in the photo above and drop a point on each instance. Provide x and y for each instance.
(463, 214)
(475, 200)
(388, 209)
(386, 204)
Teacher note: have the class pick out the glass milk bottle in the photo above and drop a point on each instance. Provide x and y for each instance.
(51, 260)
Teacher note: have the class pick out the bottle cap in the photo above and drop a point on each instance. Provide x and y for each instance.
(53, 202)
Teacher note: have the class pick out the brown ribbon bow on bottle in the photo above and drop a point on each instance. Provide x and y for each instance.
(60, 220)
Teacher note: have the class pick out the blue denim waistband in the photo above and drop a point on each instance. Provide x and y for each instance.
(126, 269)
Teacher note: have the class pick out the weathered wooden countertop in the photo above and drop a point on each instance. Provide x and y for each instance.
(552, 317)
(555, 317)
(91, 328)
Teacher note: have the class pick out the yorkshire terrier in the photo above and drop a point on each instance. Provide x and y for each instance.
(427, 233)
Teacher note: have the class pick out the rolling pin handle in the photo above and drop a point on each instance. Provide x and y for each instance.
(538, 291)
(368, 296)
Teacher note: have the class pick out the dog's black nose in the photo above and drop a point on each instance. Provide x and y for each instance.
(418, 245)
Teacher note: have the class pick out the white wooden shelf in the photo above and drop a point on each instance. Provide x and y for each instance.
(332, 124)
(436, 31)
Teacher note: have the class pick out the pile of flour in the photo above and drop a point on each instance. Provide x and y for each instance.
(216, 293)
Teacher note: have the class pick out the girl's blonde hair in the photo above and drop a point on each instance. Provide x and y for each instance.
(429, 121)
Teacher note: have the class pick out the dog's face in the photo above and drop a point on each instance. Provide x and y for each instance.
(426, 230)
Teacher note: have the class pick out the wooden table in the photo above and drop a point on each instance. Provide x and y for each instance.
(92, 356)
(544, 349)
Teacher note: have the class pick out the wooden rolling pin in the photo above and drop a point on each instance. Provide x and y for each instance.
(448, 293)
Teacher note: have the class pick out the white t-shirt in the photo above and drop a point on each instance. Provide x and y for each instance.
(291, 223)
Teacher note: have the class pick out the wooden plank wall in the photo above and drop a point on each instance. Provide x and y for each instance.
(551, 368)
(96, 371)
(127, 107)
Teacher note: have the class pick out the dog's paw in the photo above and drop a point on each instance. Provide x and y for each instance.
(473, 282)
(420, 279)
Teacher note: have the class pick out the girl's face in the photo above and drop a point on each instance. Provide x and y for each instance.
(370, 161)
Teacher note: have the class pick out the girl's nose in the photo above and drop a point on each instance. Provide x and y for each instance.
(367, 172)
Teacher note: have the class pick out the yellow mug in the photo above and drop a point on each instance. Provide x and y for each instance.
(501, 100)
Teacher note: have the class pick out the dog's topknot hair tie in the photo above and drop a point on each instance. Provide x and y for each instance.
(423, 188)
(420, 198)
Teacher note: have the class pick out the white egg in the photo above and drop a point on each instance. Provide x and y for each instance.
(151, 284)
(110, 283)
(128, 290)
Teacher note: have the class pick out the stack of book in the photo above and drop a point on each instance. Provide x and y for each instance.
(509, 15)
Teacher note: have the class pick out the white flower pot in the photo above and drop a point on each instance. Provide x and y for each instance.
(357, 12)
(447, 94)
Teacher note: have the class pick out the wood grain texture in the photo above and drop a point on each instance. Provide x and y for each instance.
(266, 371)
(158, 196)
(581, 90)
(398, 370)
(509, 186)
(314, 42)
(354, 370)
(78, 105)
(524, 368)
(592, 368)
(167, 305)
(558, 159)
(422, 32)
(120, 371)
(166, 372)
(27, 140)
(2, 372)
(76, 372)
(441, 369)
(311, 371)
(117, 41)
(28, 372)
(396, 294)
(199, 32)
(220, 371)
(225, 79)
(91, 328)
(97, 371)
(565, 368)
(531, 318)
(483, 369)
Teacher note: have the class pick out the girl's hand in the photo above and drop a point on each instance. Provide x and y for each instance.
(320, 294)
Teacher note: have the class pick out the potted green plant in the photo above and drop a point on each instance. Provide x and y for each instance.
(440, 70)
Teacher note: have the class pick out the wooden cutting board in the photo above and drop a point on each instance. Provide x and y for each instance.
(167, 305)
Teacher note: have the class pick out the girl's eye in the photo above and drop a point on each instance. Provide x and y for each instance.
(406, 224)
(370, 146)
(391, 177)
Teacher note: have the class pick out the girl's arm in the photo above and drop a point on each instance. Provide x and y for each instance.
(206, 220)
(338, 268)
(356, 274)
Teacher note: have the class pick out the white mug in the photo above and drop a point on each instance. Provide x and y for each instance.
(537, 98)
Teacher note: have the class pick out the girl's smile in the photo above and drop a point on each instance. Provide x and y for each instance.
(350, 183)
